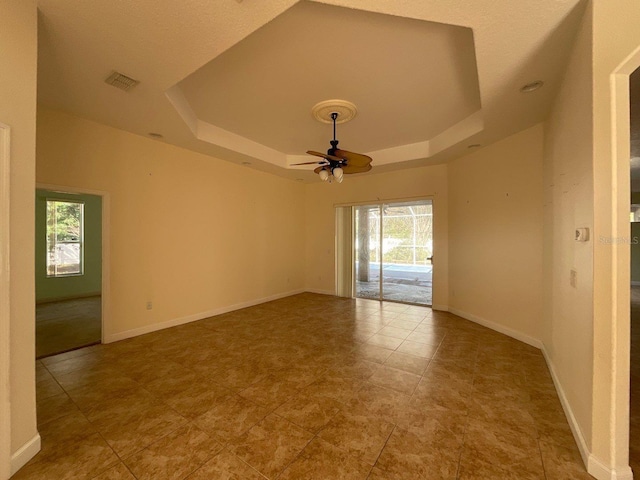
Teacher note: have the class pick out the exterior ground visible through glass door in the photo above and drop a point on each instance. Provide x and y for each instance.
(402, 283)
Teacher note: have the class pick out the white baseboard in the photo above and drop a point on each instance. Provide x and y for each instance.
(25, 453)
(534, 342)
(600, 471)
(573, 423)
(594, 466)
(440, 308)
(195, 317)
(320, 292)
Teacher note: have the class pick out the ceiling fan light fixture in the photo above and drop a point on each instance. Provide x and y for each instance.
(324, 175)
(338, 173)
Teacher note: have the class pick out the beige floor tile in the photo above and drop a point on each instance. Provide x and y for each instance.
(509, 414)
(340, 389)
(309, 412)
(418, 349)
(562, 463)
(451, 387)
(384, 341)
(197, 399)
(174, 456)
(72, 362)
(118, 472)
(383, 403)
(321, 461)
(488, 444)
(83, 459)
(395, 332)
(226, 466)
(434, 395)
(434, 425)
(54, 407)
(140, 428)
(408, 363)
(230, 417)
(63, 433)
(48, 387)
(395, 379)
(372, 353)
(270, 392)
(271, 445)
(362, 435)
(408, 455)
(89, 396)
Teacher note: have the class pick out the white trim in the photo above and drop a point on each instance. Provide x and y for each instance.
(106, 246)
(194, 317)
(594, 466)
(534, 342)
(616, 393)
(25, 453)
(598, 470)
(320, 292)
(440, 308)
(575, 428)
(635, 284)
(5, 298)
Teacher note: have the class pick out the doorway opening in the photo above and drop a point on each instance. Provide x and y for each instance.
(68, 271)
(393, 252)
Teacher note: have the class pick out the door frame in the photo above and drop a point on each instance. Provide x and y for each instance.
(381, 203)
(620, 322)
(106, 252)
(5, 306)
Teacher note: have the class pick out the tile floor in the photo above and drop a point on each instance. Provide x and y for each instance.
(307, 387)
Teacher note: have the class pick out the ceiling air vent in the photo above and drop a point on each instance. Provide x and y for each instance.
(121, 81)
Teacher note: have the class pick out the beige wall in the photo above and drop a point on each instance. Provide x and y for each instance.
(18, 57)
(321, 199)
(495, 234)
(190, 233)
(616, 36)
(568, 204)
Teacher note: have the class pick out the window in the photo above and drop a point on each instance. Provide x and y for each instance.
(65, 231)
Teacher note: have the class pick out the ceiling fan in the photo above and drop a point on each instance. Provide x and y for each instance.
(337, 162)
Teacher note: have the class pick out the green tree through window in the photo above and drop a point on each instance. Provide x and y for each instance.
(65, 225)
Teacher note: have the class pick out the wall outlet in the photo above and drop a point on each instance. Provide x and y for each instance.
(573, 278)
(149, 305)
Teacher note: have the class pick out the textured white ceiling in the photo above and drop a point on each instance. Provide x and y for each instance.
(410, 80)
(162, 42)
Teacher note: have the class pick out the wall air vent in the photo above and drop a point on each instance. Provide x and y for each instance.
(121, 81)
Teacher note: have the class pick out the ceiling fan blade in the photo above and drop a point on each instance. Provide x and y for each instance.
(306, 163)
(354, 159)
(348, 168)
(325, 156)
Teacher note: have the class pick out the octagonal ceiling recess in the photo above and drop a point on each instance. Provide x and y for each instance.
(424, 75)
(412, 81)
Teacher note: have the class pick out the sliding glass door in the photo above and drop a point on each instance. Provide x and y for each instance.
(367, 251)
(394, 252)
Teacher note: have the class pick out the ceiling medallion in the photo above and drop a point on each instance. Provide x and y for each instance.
(322, 111)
